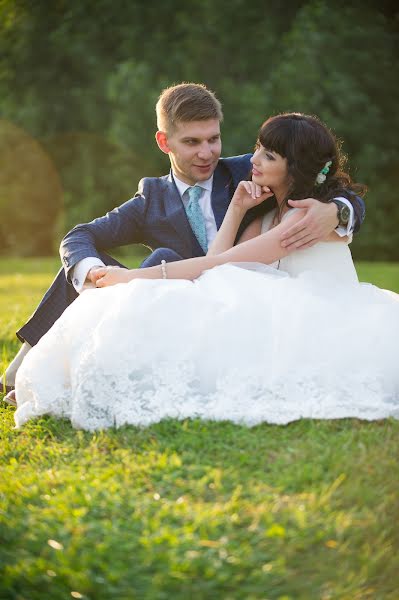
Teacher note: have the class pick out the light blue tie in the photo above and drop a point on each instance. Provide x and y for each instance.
(195, 215)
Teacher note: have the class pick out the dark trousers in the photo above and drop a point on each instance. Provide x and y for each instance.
(61, 294)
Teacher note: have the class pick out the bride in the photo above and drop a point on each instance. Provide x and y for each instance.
(248, 333)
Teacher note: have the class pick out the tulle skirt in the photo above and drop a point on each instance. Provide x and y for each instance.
(248, 345)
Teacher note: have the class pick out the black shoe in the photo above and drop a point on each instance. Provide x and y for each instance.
(10, 398)
(6, 389)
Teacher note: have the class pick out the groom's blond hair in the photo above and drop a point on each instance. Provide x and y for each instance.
(184, 103)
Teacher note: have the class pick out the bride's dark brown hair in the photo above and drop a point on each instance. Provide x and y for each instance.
(308, 145)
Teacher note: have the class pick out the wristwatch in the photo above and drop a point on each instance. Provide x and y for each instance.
(343, 212)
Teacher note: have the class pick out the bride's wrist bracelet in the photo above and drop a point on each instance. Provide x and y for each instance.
(163, 269)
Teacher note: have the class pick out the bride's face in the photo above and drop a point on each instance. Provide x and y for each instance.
(270, 168)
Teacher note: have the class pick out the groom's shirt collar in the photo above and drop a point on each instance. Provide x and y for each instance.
(182, 186)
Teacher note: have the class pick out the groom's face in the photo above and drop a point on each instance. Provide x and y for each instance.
(194, 149)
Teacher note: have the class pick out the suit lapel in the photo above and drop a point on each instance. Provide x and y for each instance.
(220, 194)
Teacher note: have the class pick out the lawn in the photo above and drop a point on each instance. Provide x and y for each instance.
(194, 510)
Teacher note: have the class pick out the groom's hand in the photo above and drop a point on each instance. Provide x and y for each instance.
(95, 273)
(319, 220)
(105, 276)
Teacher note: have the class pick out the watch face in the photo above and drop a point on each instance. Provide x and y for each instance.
(344, 214)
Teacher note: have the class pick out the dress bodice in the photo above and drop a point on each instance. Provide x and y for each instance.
(332, 260)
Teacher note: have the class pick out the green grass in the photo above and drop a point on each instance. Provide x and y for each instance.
(194, 510)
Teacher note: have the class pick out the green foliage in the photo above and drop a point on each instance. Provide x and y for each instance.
(96, 174)
(329, 71)
(82, 78)
(30, 193)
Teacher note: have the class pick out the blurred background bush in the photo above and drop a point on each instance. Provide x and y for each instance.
(79, 81)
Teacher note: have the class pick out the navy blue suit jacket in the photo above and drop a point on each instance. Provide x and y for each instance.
(155, 217)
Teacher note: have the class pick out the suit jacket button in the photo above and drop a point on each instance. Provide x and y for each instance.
(76, 281)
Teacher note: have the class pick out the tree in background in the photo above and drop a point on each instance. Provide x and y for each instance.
(30, 194)
(83, 78)
(339, 64)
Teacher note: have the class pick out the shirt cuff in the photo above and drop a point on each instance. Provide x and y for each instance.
(80, 271)
(348, 230)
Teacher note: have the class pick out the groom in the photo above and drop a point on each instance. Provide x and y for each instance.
(165, 215)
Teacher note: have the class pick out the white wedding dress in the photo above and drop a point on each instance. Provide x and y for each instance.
(244, 342)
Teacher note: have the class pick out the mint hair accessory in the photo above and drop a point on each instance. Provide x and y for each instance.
(321, 177)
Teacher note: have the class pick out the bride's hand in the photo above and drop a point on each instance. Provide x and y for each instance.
(249, 194)
(105, 276)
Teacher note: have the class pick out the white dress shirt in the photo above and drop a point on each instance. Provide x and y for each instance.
(82, 267)
(80, 270)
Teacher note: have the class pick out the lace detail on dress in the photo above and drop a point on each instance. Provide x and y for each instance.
(146, 396)
(242, 344)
